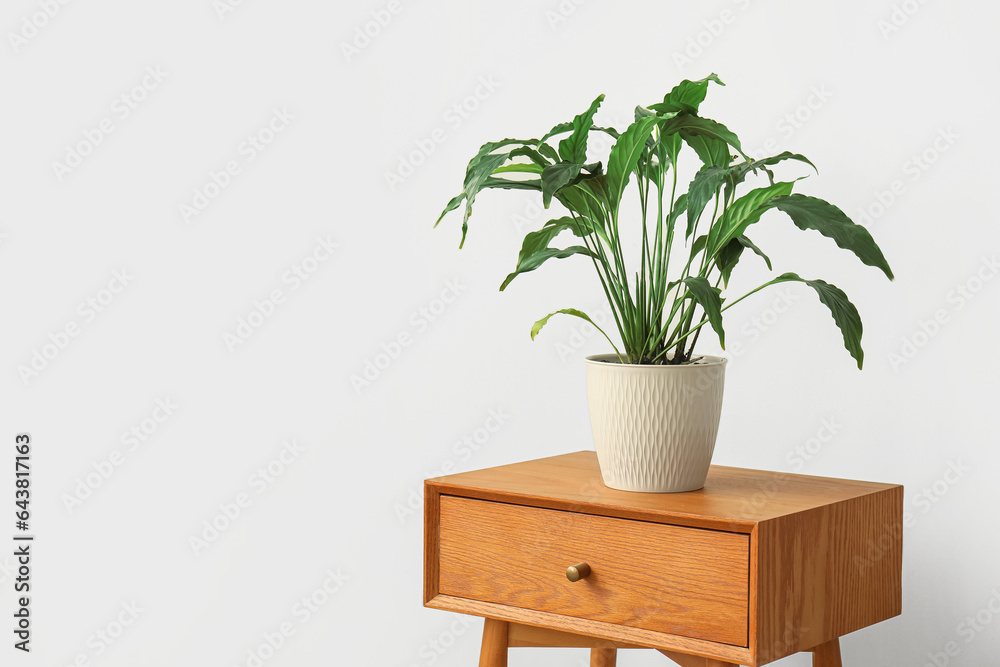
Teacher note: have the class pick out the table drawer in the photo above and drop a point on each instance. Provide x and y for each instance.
(683, 581)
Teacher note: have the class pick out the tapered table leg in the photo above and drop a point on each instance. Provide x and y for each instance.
(603, 657)
(827, 655)
(494, 651)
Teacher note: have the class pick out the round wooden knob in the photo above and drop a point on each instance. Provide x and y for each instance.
(578, 572)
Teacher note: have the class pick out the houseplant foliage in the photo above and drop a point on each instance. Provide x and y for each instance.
(690, 241)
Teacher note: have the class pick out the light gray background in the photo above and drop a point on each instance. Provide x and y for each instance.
(862, 88)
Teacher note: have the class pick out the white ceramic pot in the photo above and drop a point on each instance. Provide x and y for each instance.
(655, 426)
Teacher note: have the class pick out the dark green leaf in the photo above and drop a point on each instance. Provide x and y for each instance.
(540, 257)
(624, 156)
(845, 315)
(574, 147)
(747, 243)
(556, 176)
(505, 184)
(709, 149)
(535, 249)
(686, 96)
(708, 298)
(742, 213)
(704, 186)
(830, 221)
(727, 259)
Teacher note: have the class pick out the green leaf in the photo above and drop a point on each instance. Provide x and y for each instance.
(505, 184)
(704, 186)
(532, 154)
(455, 202)
(538, 258)
(480, 170)
(747, 243)
(519, 168)
(845, 315)
(708, 298)
(686, 96)
(574, 147)
(710, 132)
(535, 249)
(830, 221)
(624, 156)
(727, 259)
(557, 176)
(742, 213)
(575, 313)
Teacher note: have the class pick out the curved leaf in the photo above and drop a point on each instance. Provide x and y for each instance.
(742, 213)
(535, 249)
(704, 186)
(686, 96)
(557, 176)
(747, 243)
(538, 258)
(711, 132)
(574, 147)
(708, 298)
(575, 313)
(830, 221)
(624, 156)
(845, 315)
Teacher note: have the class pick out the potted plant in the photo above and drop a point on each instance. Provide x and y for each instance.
(654, 402)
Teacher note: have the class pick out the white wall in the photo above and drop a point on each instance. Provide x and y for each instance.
(881, 94)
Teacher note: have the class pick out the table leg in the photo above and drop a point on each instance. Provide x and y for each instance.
(827, 655)
(494, 650)
(603, 657)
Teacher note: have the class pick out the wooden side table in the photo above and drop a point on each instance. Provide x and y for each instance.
(752, 568)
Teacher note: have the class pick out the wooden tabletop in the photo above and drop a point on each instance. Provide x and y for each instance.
(736, 497)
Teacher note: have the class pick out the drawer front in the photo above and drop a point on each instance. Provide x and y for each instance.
(682, 581)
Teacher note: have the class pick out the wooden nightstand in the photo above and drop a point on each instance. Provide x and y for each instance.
(752, 568)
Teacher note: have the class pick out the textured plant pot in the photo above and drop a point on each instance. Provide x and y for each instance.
(655, 426)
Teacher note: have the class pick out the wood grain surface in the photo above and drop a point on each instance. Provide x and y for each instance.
(682, 581)
(733, 499)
